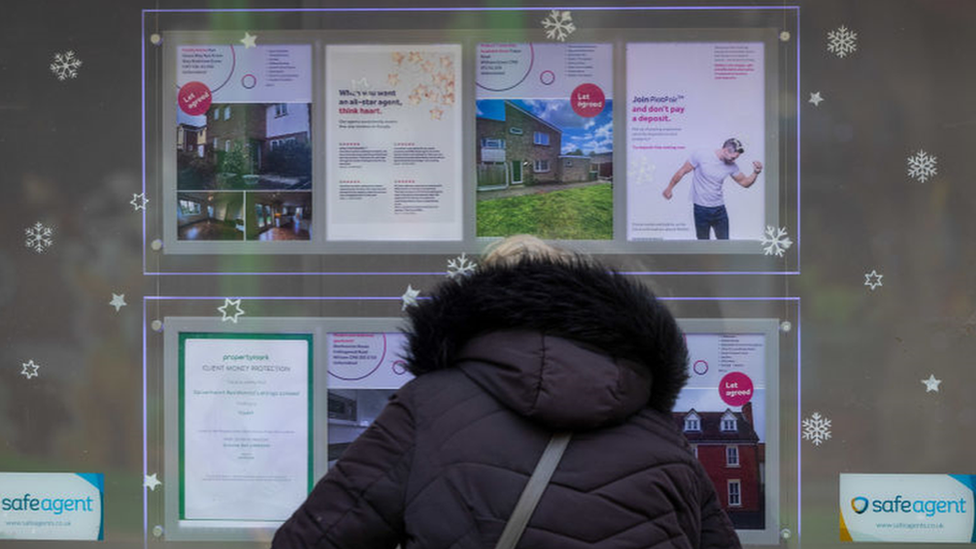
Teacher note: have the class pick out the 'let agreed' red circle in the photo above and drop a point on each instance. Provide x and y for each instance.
(587, 100)
(194, 98)
(735, 389)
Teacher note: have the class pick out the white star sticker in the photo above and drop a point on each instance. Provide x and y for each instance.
(816, 98)
(873, 279)
(29, 369)
(118, 301)
(138, 201)
(151, 482)
(233, 316)
(248, 40)
(931, 384)
(409, 297)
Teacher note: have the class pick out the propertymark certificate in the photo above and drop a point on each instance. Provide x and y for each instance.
(245, 425)
(394, 142)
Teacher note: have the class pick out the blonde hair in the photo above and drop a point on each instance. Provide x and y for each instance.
(516, 248)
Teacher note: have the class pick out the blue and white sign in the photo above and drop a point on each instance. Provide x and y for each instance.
(907, 508)
(52, 506)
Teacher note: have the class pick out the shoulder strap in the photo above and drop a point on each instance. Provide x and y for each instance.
(533, 491)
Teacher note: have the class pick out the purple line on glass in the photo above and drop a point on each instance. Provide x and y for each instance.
(145, 436)
(527, 8)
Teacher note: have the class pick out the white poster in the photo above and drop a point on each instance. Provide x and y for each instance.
(695, 141)
(52, 506)
(367, 361)
(244, 425)
(393, 136)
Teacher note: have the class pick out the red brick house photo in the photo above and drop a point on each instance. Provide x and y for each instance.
(728, 447)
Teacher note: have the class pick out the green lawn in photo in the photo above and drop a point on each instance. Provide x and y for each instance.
(584, 213)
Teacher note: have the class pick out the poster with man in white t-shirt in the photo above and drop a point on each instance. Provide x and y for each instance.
(711, 169)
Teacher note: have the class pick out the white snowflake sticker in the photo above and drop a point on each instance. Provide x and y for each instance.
(231, 316)
(65, 65)
(460, 266)
(559, 25)
(641, 171)
(921, 166)
(775, 241)
(816, 429)
(29, 369)
(842, 41)
(409, 297)
(38, 237)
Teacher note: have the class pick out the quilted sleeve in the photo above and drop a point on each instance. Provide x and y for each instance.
(359, 503)
(717, 531)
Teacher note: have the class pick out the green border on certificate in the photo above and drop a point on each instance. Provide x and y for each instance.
(183, 337)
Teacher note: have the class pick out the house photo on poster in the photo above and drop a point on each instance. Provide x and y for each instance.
(722, 410)
(365, 369)
(544, 148)
(243, 122)
(393, 133)
(696, 141)
(722, 413)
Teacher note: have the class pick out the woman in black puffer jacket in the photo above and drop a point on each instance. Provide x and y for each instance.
(536, 341)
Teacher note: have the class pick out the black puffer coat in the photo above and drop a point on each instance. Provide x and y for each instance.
(504, 358)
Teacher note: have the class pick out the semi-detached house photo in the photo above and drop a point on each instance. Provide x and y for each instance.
(245, 146)
(543, 169)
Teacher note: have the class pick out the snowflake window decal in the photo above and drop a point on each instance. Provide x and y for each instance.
(460, 266)
(409, 297)
(559, 25)
(65, 65)
(842, 41)
(816, 429)
(922, 166)
(38, 238)
(775, 241)
(641, 171)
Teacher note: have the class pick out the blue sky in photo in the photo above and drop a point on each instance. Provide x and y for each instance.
(587, 134)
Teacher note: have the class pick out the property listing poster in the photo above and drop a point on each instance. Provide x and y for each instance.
(244, 142)
(684, 100)
(723, 414)
(245, 425)
(393, 137)
(365, 369)
(545, 140)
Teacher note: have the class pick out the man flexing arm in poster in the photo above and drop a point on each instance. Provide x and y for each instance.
(711, 168)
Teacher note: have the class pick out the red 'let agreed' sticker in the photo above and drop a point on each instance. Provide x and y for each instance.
(735, 389)
(194, 98)
(587, 100)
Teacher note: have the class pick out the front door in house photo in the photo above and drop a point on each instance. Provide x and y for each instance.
(516, 172)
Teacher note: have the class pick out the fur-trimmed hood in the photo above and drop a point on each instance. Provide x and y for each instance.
(568, 344)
